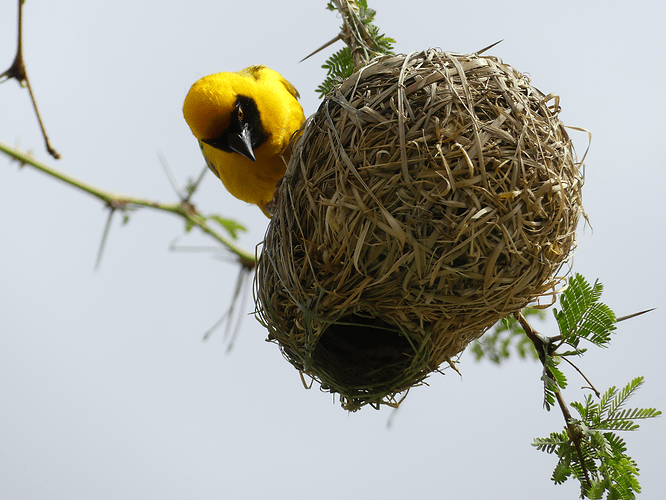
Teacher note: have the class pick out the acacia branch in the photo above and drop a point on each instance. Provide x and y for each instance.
(18, 72)
(184, 209)
(545, 347)
(354, 34)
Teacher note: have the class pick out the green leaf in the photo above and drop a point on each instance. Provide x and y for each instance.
(597, 489)
(617, 443)
(609, 469)
(505, 339)
(551, 443)
(229, 225)
(616, 418)
(575, 352)
(338, 67)
(617, 400)
(561, 473)
(553, 380)
(582, 315)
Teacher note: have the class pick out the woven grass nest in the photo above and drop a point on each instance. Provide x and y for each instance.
(429, 196)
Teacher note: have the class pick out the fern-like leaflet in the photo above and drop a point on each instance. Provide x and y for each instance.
(610, 469)
(582, 315)
(338, 67)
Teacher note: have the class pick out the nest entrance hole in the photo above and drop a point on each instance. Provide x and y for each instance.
(360, 351)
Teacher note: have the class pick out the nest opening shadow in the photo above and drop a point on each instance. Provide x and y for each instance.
(363, 352)
(430, 195)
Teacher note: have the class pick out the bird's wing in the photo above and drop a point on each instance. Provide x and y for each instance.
(208, 162)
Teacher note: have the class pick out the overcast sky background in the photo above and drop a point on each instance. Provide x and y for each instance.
(107, 390)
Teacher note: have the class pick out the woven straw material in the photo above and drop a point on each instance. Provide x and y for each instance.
(429, 196)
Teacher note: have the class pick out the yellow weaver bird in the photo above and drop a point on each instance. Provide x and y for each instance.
(243, 122)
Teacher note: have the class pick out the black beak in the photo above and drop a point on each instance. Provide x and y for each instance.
(238, 142)
(241, 142)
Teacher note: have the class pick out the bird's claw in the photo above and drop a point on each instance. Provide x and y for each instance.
(272, 205)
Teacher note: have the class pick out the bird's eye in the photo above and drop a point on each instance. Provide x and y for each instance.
(240, 113)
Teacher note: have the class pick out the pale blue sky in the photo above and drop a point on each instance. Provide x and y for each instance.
(107, 390)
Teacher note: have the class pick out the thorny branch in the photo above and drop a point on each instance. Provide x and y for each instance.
(17, 72)
(185, 209)
(354, 33)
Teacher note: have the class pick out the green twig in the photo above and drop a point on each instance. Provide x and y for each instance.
(184, 209)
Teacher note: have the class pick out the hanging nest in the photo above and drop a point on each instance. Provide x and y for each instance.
(430, 196)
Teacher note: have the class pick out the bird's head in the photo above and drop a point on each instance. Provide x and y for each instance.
(221, 112)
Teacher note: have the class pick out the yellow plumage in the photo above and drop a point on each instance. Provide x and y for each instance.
(243, 122)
